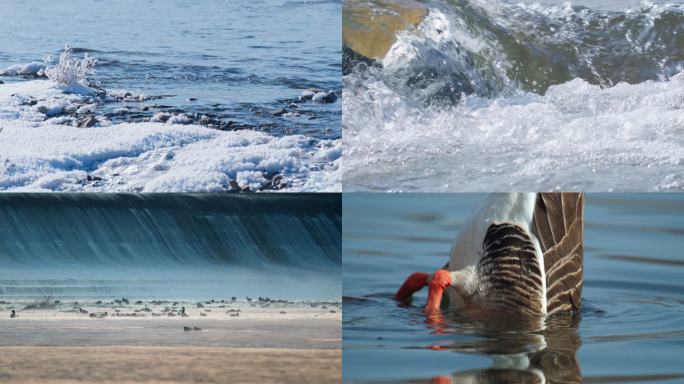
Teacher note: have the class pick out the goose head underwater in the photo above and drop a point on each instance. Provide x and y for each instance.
(518, 253)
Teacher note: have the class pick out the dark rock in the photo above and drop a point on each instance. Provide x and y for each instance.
(309, 94)
(191, 99)
(233, 298)
(279, 112)
(50, 113)
(88, 122)
(325, 97)
(200, 305)
(283, 313)
(125, 301)
(235, 187)
(350, 59)
(275, 182)
(138, 302)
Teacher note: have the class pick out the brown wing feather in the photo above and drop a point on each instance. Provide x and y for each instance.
(509, 272)
(558, 224)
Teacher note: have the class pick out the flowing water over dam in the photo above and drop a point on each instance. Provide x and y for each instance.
(169, 246)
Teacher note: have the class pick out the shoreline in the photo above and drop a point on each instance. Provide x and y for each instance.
(124, 364)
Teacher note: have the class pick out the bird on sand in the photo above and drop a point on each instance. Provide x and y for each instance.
(518, 253)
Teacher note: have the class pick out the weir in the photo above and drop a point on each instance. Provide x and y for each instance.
(293, 230)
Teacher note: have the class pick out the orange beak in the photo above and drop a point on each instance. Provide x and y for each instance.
(440, 280)
(413, 284)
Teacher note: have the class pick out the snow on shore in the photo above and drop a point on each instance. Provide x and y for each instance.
(41, 151)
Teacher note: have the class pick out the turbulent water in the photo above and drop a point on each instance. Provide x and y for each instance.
(493, 95)
(630, 328)
(255, 84)
(169, 246)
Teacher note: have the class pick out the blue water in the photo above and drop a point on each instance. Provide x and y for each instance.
(631, 327)
(241, 59)
(176, 246)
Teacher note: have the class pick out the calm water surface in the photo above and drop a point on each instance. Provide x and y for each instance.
(631, 327)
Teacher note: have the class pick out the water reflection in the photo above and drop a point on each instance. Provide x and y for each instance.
(522, 349)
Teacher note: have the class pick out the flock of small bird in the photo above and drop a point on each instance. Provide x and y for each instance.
(173, 311)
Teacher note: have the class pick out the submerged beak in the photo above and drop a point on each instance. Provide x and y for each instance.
(437, 283)
(440, 280)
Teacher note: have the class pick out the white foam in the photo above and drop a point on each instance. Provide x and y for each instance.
(576, 137)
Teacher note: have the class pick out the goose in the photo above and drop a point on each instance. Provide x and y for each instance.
(519, 252)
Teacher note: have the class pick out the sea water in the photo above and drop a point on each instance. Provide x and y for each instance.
(238, 59)
(233, 76)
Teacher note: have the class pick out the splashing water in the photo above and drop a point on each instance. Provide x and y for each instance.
(490, 95)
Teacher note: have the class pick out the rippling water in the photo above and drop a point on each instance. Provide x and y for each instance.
(240, 60)
(631, 327)
(482, 95)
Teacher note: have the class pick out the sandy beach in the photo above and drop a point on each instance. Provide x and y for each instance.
(301, 348)
(169, 365)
